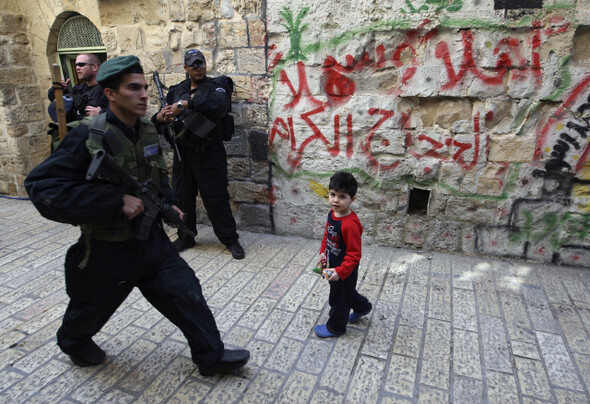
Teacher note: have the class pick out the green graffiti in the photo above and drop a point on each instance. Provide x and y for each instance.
(369, 178)
(563, 81)
(437, 5)
(295, 32)
(525, 231)
(558, 230)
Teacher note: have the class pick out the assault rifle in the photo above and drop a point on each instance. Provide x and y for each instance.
(104, 168)
(173, 138)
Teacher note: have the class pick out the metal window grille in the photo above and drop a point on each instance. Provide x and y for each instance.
(79, 32)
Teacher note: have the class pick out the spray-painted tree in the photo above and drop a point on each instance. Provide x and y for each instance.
(295, 29)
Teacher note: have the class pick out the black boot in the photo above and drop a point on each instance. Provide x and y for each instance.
(232, 359)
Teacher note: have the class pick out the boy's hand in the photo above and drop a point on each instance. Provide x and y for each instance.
(322, 262)
(334, 276)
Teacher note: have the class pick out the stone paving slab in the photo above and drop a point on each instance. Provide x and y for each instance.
(445, 328)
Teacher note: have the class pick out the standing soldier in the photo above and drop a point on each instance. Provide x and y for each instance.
(87, 97)
(108, 260)
(201, 103)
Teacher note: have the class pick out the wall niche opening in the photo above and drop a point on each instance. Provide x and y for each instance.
(418, 204)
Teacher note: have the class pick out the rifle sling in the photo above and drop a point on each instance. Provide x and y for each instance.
(97, 134)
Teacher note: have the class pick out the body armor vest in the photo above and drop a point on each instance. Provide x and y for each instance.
(141, 160)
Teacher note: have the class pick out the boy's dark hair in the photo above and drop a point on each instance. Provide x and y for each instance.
(116, 81)
(344, 182)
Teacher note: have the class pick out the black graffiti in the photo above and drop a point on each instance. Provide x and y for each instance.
(516, 4)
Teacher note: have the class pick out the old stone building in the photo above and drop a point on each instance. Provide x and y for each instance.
(466, 122)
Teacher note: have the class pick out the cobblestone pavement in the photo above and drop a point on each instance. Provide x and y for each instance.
(444, 328)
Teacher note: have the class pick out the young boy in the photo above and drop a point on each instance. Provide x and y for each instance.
(341, 253)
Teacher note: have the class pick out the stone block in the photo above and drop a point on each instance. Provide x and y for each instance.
(415, 230)
(512, 148)
(28, 94)
(117, 14)
(256, 31)
(492, 179)
(18, 55)
(470, 210)
(17, 75)
(238, 168)
(202, 11)
(255, 217)
(258, 145)
(7, 95)
(255, 115)
(443, 112)
(11, 23)
(446, 236)
(249, 192)
(238, 145)
(252, 61)
(176, 10)
(225, 62)
(233, 34)
(130, 38)
(260, 171)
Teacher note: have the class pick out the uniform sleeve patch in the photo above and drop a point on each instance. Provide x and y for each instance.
(150, 150)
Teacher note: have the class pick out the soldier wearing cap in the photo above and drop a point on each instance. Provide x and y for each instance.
(108, 261)
(197, 106)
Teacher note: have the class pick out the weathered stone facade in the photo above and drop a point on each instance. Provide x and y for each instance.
(467, 125)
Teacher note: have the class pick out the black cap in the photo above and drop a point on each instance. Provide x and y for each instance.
(192, 56)
(115, 66)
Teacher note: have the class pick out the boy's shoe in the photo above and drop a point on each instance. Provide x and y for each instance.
(323, 332)
(356, 317)
(232, 359)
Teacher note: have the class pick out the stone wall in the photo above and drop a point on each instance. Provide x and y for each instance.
(22, 121)
(467, 126)
(465, 123)
(231, 34)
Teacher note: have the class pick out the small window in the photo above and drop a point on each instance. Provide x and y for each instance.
(418, 201)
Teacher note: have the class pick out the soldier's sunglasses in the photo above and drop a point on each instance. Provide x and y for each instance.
(197, 64)
(82, 64)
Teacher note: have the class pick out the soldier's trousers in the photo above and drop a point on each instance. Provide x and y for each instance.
(163, 277)
(205, 172)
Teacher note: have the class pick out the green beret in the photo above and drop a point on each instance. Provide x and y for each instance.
(115, 66)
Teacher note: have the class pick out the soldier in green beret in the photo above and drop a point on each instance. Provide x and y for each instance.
(109, 260)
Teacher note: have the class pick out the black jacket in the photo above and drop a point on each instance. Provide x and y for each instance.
(83, 96)
(212, 98)
(59, 190)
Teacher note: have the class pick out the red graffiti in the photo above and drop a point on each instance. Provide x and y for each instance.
(468, 64)
(303, 90)
(366, 144)
(461, 147)
(275, 61)
(337, 86)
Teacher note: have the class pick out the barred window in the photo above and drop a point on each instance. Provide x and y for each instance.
(79, 33)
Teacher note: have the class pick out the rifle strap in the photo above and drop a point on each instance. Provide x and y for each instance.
(97, 134)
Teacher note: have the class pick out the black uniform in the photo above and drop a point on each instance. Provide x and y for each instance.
(204, 160)
(60, 192)
(83, 96)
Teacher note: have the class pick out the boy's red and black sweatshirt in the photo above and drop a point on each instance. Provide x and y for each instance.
(342, 243)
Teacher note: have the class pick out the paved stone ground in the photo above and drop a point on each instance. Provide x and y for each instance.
(445, 328)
